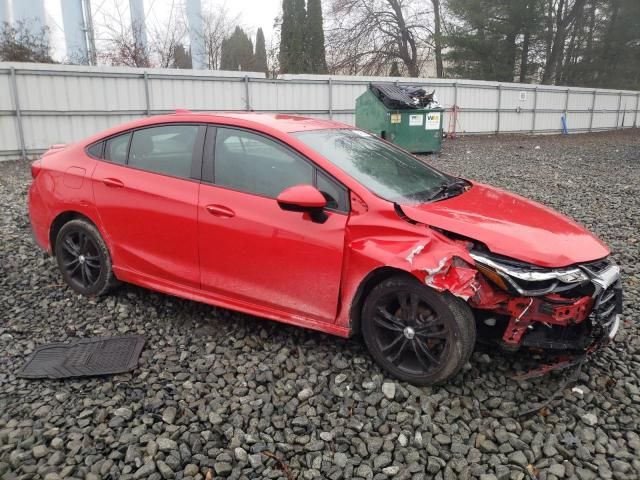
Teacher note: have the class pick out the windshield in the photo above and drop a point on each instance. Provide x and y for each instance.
(385, 170)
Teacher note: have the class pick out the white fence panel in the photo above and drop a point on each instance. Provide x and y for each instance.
(61, 103)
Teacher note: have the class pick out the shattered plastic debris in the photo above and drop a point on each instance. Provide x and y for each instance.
(460, 281)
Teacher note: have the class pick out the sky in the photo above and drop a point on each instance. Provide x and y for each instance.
(252, 14)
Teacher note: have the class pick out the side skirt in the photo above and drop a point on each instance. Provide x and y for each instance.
(198, 295)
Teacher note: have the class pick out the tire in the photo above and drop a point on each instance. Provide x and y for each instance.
(402, 319)
(83, 258)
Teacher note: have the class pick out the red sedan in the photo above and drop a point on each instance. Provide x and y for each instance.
(317, 224)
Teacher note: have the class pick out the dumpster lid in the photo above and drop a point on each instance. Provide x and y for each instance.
(403, 96)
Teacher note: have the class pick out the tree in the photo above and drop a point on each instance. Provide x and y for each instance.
(395, 71)
(237, 52)
(181, 58)
(121, 41)
(292, 37)
(314, 39)
(165, 41)
(561, 14)
(18, 43)
(603, 48)
(260, 57)
(437, 38)
(367, 35)
(488, 38)
(217, 25)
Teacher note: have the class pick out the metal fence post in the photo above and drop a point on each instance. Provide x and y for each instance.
(330, 84)
(498, 109)
(146, 93)
(593, 107)
(566, 107)
(618, 112)
(635, 119)
(16, 104)
(246, 93)
(535, 109)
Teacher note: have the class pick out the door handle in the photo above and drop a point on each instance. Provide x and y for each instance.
(220, 211)
(112, 182)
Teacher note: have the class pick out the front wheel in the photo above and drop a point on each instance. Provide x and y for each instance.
(417, 334)
(83, 258)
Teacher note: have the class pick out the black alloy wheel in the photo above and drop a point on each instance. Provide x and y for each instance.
(415, 333)
(80, 258)
(410, 334)
(83, 258)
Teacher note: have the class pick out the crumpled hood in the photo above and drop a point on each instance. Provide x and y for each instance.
(513, 226)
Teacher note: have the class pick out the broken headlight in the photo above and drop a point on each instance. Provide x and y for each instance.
(525, 279)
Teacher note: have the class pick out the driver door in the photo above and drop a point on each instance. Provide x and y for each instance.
(250, 249)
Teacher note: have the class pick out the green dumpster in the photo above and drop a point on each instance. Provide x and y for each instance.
(406, 116)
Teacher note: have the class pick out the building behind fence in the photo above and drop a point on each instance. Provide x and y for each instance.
(41, 105)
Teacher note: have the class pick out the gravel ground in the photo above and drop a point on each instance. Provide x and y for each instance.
(221, 394)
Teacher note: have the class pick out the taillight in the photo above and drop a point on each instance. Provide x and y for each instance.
(35, 168)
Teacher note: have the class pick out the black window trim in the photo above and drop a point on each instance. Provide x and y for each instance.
(196, 155)
(208, 162)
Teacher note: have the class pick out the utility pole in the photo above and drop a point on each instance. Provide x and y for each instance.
(91, 37)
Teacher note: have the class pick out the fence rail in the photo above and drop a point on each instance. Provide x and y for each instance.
(45, 104)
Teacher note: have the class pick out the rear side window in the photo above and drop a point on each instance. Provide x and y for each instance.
(95, 150)
(116, 148)
(252, 163)
(167, 149)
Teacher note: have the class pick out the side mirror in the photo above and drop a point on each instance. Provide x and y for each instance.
(304, 198)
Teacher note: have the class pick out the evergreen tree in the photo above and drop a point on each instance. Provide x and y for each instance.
(485, 41)
(314, 39)
(181, 57)
(237, 52)
(260, 57)
(292, 37)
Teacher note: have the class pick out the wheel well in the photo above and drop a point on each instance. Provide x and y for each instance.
(57, 224)
(372, 279)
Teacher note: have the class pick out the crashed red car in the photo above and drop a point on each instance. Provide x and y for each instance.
(317, 224)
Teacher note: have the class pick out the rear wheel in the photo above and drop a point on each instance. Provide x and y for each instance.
(83, 258)
(415, 333)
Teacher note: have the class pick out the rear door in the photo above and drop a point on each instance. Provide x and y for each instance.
(146, 192)
(252, 250)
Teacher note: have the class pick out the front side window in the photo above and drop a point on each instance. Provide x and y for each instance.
(252, 163)
(167, 149)
(116, 148)
(386, 171)
(335, 194)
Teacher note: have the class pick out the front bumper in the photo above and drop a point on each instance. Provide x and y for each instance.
(552, 321)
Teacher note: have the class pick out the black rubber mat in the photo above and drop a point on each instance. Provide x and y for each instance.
(84, 358)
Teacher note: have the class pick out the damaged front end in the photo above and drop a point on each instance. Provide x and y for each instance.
(516, 304)
(574, 308)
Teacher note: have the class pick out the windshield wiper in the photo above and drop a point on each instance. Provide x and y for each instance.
(447, 190)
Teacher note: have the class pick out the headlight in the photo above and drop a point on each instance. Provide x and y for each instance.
(530, 280)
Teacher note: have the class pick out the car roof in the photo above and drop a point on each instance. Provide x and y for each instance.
(283, 122)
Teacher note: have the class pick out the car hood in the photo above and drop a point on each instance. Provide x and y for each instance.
(513, 226)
